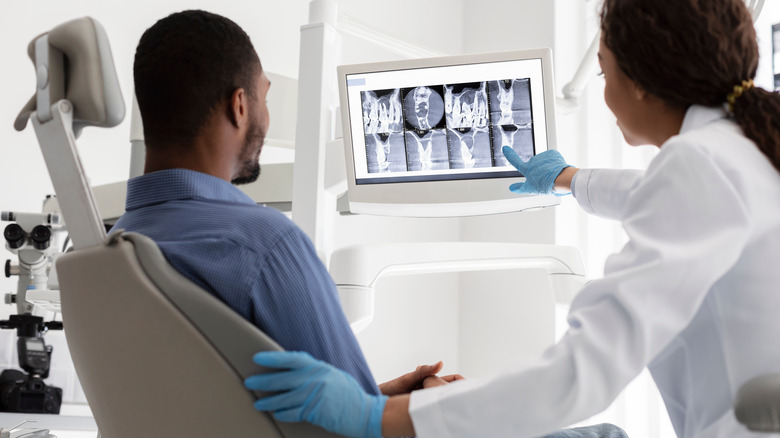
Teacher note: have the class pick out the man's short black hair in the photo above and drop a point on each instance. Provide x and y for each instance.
(186, 65)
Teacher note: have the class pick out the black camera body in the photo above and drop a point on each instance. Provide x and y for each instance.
(22, 393)
(26, 392)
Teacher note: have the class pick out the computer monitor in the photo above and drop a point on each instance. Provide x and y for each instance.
(423, 137)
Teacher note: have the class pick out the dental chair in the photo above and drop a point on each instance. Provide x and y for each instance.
(155, 354)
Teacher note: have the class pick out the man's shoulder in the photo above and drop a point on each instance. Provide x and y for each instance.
(245, 225)
(254, 222)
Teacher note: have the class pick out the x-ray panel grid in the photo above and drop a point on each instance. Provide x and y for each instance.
(449, 126)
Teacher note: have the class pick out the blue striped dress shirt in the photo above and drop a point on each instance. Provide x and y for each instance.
(253, 258)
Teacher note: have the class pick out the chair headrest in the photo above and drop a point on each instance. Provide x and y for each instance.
(86, 76)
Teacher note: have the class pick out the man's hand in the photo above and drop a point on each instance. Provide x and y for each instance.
(432, 381)
(410, 381)
(423, 377)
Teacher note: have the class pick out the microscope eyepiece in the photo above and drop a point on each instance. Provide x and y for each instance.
(41, 236)
(14, 235)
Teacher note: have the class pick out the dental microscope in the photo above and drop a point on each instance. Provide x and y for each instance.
(32, 237)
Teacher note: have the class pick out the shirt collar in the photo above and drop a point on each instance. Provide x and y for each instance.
(180, 184)
(698, 116)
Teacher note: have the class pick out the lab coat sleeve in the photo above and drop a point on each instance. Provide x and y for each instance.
(604, 192)
(687, 228)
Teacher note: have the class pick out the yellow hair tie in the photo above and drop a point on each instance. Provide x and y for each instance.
(738, 90)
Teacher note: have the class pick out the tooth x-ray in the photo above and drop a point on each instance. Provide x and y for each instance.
(511, 119)
(450, 126)
(384, 129)
(426, 140)
(423, 108)
(468, 131)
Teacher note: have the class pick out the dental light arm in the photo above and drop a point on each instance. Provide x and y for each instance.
(587, 69)
(356, 269)
(755, 7)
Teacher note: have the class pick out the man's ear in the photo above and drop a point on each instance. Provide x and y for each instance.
(639, 92)
(238, 108)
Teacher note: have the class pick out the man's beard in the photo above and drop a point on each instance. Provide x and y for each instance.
(250, 156)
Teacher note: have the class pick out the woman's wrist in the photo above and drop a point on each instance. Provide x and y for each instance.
(564, 179)
(396, 420)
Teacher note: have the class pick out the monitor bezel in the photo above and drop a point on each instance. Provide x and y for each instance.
(457, 197)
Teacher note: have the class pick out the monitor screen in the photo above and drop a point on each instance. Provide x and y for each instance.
(415, 129)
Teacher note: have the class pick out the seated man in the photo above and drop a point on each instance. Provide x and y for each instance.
(202, 94)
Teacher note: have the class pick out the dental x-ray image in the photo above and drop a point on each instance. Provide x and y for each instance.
(426, 140)
(511, 118)
(468, 132)
(384, 130)
(427, 150)
(450, 126)
(386, 152)
(423, 108)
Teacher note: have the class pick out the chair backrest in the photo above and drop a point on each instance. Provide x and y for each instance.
(757, 404)
(157, 355)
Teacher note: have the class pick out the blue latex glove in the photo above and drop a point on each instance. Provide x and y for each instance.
(540, 171)
(317, 393)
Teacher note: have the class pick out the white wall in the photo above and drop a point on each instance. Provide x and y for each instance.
(434, 25)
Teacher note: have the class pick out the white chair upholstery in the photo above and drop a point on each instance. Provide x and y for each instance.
(156, 355)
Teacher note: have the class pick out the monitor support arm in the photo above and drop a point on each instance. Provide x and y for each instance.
(356, 269)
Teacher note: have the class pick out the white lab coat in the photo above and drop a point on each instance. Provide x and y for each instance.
(694, 296)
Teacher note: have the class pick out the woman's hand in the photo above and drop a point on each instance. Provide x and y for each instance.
(544, 173)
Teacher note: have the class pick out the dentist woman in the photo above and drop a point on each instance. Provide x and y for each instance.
(695, 293)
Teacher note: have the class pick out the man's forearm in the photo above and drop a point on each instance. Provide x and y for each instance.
(396, 420)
